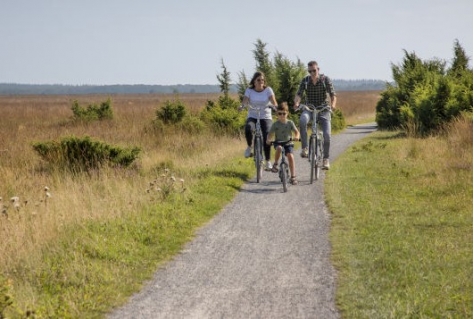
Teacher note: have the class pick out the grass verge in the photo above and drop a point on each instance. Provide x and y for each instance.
(77, 276)
(402, 228)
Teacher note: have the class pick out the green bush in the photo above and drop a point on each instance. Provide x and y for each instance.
(93, 112)
(338, 123)
(223, 117)
(83, 154)
(171, 112)
(5, 297)
(174, 113)
(425, 95)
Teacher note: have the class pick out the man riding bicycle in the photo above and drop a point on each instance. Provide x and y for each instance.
(314, 88)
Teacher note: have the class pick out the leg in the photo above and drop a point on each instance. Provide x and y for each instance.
(325, 121)
(249, 129)
(304, 120)
(277, 158)
(266, 125)
(277, 153)
(291, 161)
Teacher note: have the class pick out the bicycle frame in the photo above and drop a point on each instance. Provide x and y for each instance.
(258, 143)
(283, 172)
(316, 141)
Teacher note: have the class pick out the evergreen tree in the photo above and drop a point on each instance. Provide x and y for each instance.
(224, 79)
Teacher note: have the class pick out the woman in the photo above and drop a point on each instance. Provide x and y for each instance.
(261, 96)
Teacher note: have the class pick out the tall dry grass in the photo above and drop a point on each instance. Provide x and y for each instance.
(358, 106)
(25, 229)
(37, 219)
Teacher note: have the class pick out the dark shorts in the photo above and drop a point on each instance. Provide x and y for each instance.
(288, 148)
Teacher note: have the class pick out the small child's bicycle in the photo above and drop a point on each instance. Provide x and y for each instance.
(284, 171)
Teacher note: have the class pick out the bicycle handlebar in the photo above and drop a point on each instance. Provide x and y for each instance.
(251, 107)
(312, 108)
(285, 142)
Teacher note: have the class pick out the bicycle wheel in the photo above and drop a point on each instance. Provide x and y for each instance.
(312, 158)
(284, 176)
(258, 157)
(319, 157)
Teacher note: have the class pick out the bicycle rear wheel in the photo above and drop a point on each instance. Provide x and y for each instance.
(258, 157)
(284, 176)
(312, 159)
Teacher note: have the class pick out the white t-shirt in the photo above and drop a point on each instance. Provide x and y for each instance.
(260, 100)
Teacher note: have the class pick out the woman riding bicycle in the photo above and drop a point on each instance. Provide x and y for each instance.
(261, 96)
(315, 87)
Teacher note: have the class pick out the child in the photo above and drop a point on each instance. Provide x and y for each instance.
(282, 131)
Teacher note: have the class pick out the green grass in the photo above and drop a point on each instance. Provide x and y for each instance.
(401, 230)
(97, 266)
(401, 236)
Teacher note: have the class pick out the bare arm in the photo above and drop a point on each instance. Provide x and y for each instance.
(333, 102)
(297, 101)
(273, 100)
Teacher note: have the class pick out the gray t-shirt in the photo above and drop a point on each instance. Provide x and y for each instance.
(283, 130)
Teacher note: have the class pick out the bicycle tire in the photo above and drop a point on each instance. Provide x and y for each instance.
(258, 158)
(284, 176)
(312, 159)
(319, 158)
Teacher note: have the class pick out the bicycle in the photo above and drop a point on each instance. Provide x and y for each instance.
(316, 141)
(258, 141)
(284, 171)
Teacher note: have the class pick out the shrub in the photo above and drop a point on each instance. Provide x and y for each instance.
(223, 117)
(425, 96)
(171, 112)
(338, 122)
(83, 154)
(6, 299)
(93, 112)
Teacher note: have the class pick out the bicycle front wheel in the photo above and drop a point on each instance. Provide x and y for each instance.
(312, 159)
(319, 157)
(258, 158)
(284, 176)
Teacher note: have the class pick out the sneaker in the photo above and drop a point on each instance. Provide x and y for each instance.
(248, 152)
(326, 163)
(268, 166)
(304, 152)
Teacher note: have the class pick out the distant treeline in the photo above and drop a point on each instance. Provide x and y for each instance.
(47, 89)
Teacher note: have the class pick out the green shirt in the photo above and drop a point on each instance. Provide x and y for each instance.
(283, 130)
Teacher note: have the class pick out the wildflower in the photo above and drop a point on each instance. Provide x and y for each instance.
(173, 179)
(46, 188)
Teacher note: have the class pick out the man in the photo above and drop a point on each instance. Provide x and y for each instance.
(315, 88)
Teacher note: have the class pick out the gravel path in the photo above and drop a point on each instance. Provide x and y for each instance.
(266, 255)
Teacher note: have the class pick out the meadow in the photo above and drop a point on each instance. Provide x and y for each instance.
(70, 243)
(402, 225)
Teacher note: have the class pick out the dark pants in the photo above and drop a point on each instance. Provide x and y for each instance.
(250, 128)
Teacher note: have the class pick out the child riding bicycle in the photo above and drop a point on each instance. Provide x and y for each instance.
(282, 130)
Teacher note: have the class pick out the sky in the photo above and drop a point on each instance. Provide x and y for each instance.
(168, 42)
